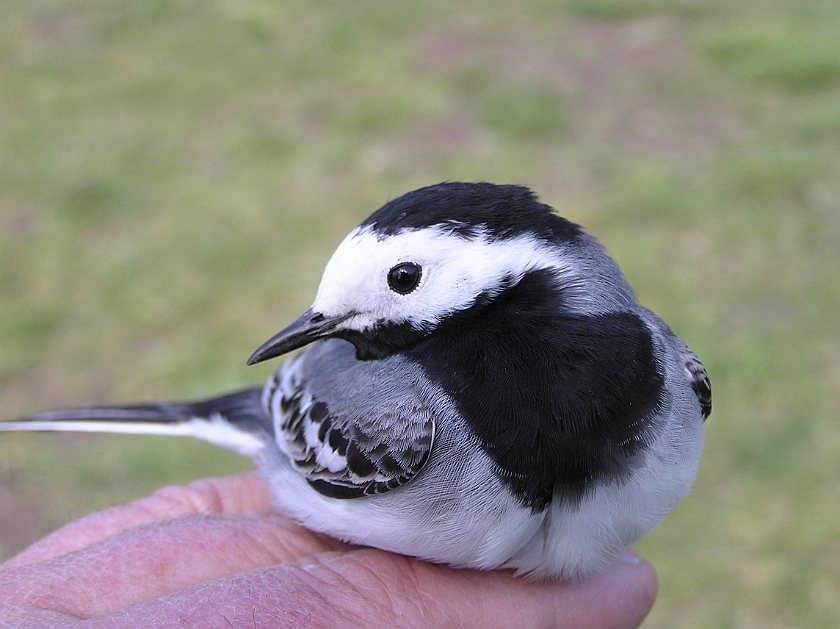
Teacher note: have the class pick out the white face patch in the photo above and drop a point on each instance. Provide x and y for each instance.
(455, 271)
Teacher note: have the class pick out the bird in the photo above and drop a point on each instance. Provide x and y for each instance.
(477, 386)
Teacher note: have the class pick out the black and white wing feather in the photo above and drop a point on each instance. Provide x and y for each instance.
(699, 379)
(348, 444)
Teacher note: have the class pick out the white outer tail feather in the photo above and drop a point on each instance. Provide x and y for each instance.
(214, 429)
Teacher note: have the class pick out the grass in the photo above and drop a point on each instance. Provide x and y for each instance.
(175, 174)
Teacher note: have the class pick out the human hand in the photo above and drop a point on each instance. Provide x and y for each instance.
(213, 554)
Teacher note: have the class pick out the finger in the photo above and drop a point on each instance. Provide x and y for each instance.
(239, 493)
(372, 589)
(155, 560)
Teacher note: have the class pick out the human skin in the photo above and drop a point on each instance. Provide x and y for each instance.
(214, 554)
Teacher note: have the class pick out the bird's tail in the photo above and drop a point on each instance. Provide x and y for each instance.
(235, 422)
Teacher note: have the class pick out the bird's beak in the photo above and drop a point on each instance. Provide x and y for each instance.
(310, 327)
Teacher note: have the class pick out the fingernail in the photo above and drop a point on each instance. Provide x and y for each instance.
(628, 557)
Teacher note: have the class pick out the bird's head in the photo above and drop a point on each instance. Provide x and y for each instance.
(439, 251)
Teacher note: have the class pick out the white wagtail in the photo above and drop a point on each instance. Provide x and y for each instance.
(479, 387)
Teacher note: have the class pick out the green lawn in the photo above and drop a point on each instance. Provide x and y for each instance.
(175, 174)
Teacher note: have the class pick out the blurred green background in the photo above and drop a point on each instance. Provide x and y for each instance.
(175, 174)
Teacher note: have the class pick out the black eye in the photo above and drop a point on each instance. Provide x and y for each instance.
(404, 277)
